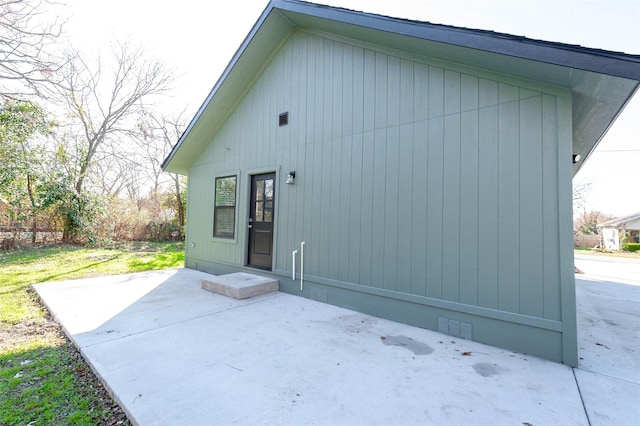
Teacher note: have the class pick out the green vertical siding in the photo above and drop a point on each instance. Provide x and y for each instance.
(550, 224)
(417, 225)
(469, 208)
(488, 219)
(413, 177)
(405, 208)
(435, 231)
(530, 165)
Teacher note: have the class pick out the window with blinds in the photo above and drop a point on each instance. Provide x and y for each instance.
(224, 211)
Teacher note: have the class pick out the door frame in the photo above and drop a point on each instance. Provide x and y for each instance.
(244, 220)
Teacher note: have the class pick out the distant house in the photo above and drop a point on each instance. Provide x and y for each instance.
(426, 168)
(614, 231)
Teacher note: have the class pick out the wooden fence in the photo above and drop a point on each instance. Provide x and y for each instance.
(590, 241)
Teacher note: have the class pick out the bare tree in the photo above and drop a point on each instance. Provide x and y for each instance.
(158, 133)
(25, 48)
(114, 173)
(587, 222)
(103, 102)
(103, 108)
(580, 192)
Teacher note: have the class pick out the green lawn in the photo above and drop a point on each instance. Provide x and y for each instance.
(627, 254)
(43, 379)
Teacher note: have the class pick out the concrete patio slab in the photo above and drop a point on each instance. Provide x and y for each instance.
(98, 310)
(608, 400)
(173, 353)
(609, 327)
(609, 347)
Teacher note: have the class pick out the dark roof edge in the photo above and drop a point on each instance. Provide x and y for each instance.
(595, 60)
(620, 220)
(602, 61)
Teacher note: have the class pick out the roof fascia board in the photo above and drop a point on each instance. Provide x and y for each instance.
(614, 223)
(595, 60)
(311, 16)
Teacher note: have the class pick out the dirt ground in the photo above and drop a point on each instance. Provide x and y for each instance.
(47, 329)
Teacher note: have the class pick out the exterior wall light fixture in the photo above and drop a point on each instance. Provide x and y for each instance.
(576, 158)
(291, 177)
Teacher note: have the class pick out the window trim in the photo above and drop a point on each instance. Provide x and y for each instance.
(233, 236)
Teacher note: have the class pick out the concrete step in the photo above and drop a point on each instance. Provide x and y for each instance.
(240, 285)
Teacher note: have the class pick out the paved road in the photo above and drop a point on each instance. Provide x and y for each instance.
(617, 268)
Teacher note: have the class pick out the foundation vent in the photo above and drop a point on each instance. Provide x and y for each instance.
(455, 328)
(319, 294)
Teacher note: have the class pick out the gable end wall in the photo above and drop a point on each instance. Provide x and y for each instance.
(424, 192)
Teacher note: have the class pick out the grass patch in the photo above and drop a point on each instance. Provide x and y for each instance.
(20, 269)
(43, 379)
(590, 251)
(51, 384)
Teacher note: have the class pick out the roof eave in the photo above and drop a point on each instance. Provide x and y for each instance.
(575, 60)
(595, 60)
(615, 223)
(586, 154)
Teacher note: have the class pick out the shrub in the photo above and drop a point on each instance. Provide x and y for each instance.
(632, 246)
(163, 231)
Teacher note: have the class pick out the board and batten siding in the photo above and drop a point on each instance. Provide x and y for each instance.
(416, 180)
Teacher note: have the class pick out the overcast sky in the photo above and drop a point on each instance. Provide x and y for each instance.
(199, 38)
